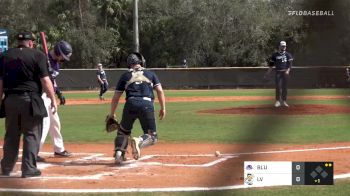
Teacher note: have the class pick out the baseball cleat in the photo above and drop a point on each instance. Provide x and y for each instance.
(62, 154)
(31, 174)
(277, 104)
(285, 104)
(118, 159)
(40, 159)
(135, 146)
(5, 173)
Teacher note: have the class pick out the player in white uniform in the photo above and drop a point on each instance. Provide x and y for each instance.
(62, 52)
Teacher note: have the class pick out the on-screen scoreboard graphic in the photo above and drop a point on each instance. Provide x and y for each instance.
(274, 173)
(3, 40)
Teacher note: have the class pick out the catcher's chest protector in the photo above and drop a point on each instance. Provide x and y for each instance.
(137, 77)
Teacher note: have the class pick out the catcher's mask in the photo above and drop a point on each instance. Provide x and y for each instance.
(135, 58)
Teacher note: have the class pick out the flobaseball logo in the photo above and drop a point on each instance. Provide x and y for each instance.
(311, 13)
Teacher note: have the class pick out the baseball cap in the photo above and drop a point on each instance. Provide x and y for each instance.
(99, 64)
(26, 35)
(283, 43)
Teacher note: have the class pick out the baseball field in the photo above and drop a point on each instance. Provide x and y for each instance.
(241, 124)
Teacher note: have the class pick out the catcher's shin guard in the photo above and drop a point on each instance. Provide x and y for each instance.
(119, 157)
(121, 141)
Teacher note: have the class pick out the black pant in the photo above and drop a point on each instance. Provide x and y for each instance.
(103, 88)
(135, 108)
(19, 120)
(281, 80)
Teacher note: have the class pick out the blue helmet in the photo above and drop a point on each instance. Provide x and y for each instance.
(63, 48)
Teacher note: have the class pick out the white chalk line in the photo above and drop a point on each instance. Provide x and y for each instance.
(134, 163)
(340, 176)
(91, 177)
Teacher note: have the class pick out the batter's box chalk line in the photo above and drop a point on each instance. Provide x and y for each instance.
(97, 157)
(170, 189)
(140, 163)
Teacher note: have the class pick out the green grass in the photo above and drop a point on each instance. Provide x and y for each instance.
(85, 123)
(225, 92)
(86, 95)
(254, 92)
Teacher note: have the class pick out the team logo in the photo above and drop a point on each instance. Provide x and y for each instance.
(249, 167)
(249, 180)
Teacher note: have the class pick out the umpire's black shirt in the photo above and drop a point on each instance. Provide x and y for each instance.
(21, 69)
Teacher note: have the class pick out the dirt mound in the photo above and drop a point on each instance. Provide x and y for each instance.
(301, 109)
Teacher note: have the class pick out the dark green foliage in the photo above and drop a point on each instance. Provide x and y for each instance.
(205, 32)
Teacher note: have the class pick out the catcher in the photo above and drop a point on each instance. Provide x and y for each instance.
(138, 83)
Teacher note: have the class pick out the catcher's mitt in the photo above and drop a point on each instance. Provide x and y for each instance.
(111, 124)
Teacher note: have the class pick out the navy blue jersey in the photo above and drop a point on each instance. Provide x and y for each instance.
(281, 61)
(102, 74)
(138, 83)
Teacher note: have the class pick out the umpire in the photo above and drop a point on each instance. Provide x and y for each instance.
(138, 83)
(282, 61)
(23, 76)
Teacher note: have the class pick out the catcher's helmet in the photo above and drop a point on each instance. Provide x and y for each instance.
(64, 49)
(135, 58)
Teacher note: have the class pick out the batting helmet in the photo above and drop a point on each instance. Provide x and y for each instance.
(63, 48)
(135, 58)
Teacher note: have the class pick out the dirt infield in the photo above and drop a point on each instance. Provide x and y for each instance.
(209, 98)
(309, 109)
(177, 165)
(167, 165)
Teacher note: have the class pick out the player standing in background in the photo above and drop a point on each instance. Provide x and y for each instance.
(282, 61)
(61, 52)
(102, 80)
(138, 83)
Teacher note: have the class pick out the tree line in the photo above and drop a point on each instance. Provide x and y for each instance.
(207, 33)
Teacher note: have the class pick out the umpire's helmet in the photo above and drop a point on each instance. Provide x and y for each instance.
(64, 49)
(135, 58)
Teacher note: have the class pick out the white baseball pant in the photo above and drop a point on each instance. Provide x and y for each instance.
(52, 124)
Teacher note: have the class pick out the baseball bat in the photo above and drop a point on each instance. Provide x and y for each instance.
(45, 50)
(43, 41)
